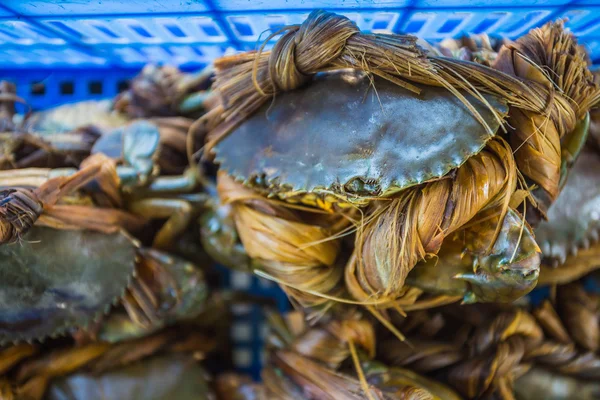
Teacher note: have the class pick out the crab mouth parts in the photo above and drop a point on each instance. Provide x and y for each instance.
(528, 268)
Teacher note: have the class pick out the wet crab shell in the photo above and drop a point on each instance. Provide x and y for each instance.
(346, 139)
(54, 280)
(159, 378)
(68, 117)
(137, 144)
(574, 219)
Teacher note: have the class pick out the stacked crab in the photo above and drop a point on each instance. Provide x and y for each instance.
(100, 256)
(387, 185)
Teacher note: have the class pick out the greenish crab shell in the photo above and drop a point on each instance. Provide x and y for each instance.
(342, 140)
(55, 280)
(574, 219)
(163, 377)
(68, 117)
(138, 145)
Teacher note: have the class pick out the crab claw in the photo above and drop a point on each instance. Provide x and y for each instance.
(504, 273)
(507, 271)
(504, 286)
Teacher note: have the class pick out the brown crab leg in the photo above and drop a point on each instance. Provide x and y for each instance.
(179, 213)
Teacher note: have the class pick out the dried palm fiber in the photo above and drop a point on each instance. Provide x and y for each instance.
(302, 248)
(326, 42)
(28, 370)
(483, 351)
(574, 267)
(280, 241)
(595, 119)
(333, 360)
(551, 57)
(21, 208)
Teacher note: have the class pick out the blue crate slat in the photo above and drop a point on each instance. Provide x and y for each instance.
(29, 85)
(46, 33)
(102, 7)
(262, 5)
(583, 21)
(443, 23)
(487, 3)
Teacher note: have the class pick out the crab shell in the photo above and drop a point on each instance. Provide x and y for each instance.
(55, 280)
(137, 144)
(68, 117)
(344, 140)
(574, 219)
(539, 383)
(163, 377)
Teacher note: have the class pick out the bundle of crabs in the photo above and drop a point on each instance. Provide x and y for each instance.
(376, 178)
(370, 170)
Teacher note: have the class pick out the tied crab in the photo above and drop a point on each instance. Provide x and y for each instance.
(331, 360)
(124, 166)
(21, 147)
(569, 238)
(69, 279)
(496, 351)
(162, 96)
(80, 204)
(420, 157)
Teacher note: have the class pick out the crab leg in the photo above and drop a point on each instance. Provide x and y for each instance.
(465, 267)
(179, 213)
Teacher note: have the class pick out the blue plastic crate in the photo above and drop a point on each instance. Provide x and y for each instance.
(93, 47)
(127, 33)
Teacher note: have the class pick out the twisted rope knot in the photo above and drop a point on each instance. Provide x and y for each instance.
(551, 57)
(305, 49)
(19, 209)
(275, 238)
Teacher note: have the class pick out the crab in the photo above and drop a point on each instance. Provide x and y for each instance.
(279, 155)
(161, 377)
(68, 117)
(58, 367)
(53, 131)
(20, 148)
(135, 147)
(416, 168)
(164, 91)
(569, 239)
(310, 361)
(61, 280)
